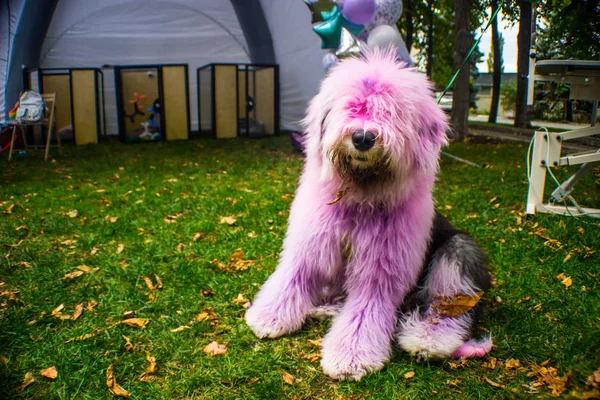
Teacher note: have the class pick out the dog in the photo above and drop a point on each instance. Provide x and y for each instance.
(364, 241)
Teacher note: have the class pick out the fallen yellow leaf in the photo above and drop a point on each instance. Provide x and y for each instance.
(113, 386)
(456, 305)
(228, 220)
(149, 374)
(494, 384)
(159, 282)
(181, 328)
(567, 282)
(136, 322)
(512, 364)
(72, 275)
(288, 378)
(49, 373)
(86, 269)
(120, 248)
(240, 299)
(215, 349)
(128, 345)
(73, 213)
(409, 375)
(148, 282)
(78, 311)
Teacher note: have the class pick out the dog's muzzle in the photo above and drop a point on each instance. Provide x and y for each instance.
(363, 141)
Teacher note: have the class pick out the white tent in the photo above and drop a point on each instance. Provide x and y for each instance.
(91, 33)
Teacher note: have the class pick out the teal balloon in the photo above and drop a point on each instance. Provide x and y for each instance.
(326, 15)
(329, 31)
(353, 28)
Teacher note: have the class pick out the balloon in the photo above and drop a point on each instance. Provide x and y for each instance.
(349, 45)
(387, 12)
(384, 36)
(330, 31)
(329, 60)
(316, 7)
(358, 11)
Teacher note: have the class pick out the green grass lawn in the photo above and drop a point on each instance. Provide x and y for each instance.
(148, 210)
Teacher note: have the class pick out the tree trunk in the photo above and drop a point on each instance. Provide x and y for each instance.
(497, 66)
(409, 25)
(429, 38)
(524, 45)
(460, 97)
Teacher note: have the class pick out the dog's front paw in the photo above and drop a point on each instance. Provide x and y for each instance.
(347, 364)
(267, 325)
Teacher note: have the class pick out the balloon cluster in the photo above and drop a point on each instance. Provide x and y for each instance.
(345, 26)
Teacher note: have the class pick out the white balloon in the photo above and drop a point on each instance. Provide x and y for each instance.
(384, 36)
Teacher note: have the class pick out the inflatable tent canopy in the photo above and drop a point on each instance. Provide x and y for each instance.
(74, 35)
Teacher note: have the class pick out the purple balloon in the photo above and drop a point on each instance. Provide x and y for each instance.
(387, 12)
(358, 11)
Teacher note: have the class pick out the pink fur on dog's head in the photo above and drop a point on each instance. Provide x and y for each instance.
(380, 95)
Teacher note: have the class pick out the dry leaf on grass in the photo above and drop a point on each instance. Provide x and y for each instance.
(409, 375)
(240, 299)
(72, 275)
(120, 248)
(113, 386)
(148, 376)
(490, 364)
(312, 357)
(128, 345)
(207, 315)
(288, 378)
(73, 214)
(512, 364)
(455, 365)
(494, 384)
(90, 305)
(27, 380)
(78, 311)
(180, 247)
(136, 322)
(86, 269)
(594, 379)
(149, 282)
(550, 378)
(228, 220)
(159, 282)
(456, 305)
(181, 328)
(215, 349)
(316, 342)
(50, 373)
(199, 236)
(83, 337)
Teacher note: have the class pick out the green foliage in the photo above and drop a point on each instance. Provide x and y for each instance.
(571, 28)
(508, 94)
(443, 36)
(124, 194)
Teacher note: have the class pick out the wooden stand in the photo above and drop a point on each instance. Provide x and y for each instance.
(50, 100)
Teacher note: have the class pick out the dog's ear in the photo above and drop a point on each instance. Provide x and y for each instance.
(433, 124)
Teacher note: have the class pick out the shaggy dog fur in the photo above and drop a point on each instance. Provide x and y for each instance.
(364, 242)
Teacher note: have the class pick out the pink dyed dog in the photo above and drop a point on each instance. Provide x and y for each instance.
(363, 233)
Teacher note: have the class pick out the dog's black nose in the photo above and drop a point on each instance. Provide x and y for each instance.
(362, 140)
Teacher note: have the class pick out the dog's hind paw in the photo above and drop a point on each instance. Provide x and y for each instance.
(267, 326)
